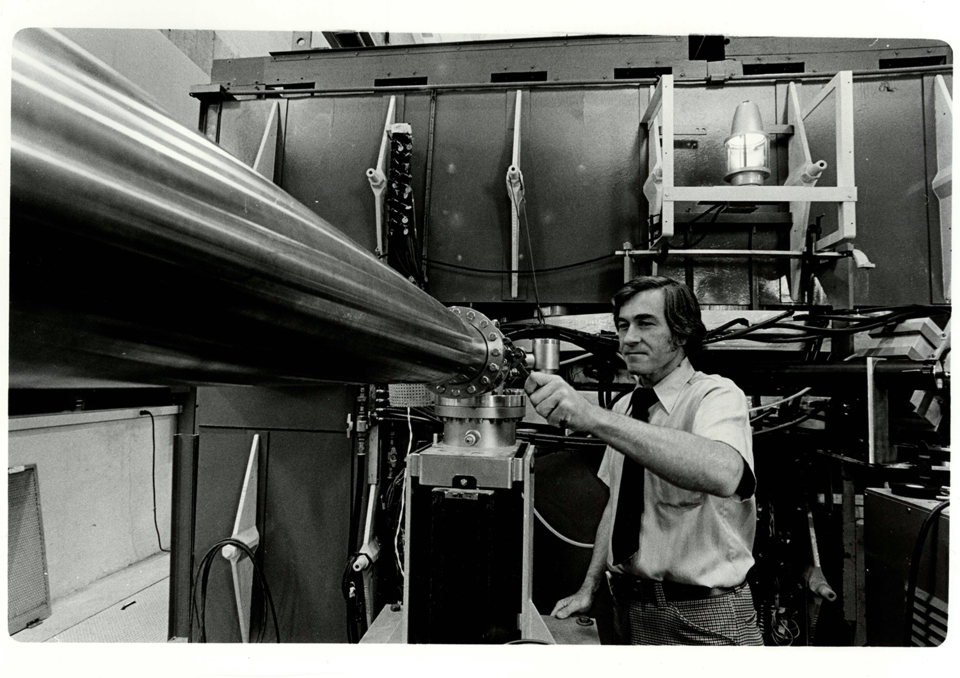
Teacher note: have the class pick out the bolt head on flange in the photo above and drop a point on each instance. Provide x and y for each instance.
(495, 369)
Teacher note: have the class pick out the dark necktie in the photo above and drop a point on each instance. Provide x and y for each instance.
(626, 525)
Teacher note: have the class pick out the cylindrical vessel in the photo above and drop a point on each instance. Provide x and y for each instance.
(142, 253)
(482, 425)
(546, 352)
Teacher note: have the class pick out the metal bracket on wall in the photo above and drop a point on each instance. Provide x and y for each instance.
(803, 172)
(659, 155)
(378, 179)
(266, 161)
(943, 182)
(245, 530)
(515, 191)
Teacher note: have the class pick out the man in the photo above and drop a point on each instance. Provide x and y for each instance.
(676, 536)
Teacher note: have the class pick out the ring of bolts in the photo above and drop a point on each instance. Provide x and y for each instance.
(496, 369)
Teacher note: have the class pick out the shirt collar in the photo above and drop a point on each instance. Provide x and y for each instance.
(668, 389)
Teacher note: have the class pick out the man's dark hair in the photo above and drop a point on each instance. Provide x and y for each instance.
(680, 309)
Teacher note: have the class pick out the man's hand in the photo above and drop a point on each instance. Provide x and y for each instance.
(575, 604)
(558, 402)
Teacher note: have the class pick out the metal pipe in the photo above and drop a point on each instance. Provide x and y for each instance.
(774, 254)
(755, 375)
(143, 253)
(765, 78)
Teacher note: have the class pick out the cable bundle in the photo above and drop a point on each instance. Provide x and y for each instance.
(351, 585)
(200, 587)
(403, 252)
(860, 321)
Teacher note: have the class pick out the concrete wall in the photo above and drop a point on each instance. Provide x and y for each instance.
(149, 59)
(96, 495)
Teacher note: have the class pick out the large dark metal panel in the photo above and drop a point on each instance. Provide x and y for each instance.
(892, 210)
(581, 166)
(185, 450)
(242, 125)
(892, 224)
(937, 291)
(330, 144)
(469, 208)
(221, 465)
(580, 158)
(571, 499)
(305, 537)
(891, 526)
(584, 163)
(307, 408)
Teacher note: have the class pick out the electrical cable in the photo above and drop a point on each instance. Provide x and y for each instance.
(781, 401)
(783, 426)
(576, 264)
(200, 587)
(351, 586)
(558, 535)
(760, 417)
(914, 571)
(153, 476)
(712, 336)
(502, 271)
(388, 416)
(396, 538)
(525, 224)
(812, 332)
(717, 210)
(604, 347)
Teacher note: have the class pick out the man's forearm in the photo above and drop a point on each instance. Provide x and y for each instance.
(598, 561)
(684, 459)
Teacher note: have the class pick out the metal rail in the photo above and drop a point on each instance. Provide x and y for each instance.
(218, 91)
(774, 254)
(143, 253)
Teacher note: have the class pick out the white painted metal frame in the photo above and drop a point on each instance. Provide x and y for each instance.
(377, 176)
(245, 530)
(943, 181)
(515, 192)
(800, 186)
(266, 161)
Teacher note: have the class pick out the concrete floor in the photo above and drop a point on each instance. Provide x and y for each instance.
(129, 606)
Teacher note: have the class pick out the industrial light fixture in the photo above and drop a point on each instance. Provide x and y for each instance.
(748, 148)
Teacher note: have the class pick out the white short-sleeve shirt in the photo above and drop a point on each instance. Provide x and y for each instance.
(687, 536)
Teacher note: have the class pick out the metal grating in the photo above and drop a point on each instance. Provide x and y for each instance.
(929, 620)
(410, 395)
(28, 590)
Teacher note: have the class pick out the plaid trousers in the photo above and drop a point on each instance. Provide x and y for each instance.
(727, 619)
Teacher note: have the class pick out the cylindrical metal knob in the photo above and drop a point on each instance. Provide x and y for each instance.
(546, 354)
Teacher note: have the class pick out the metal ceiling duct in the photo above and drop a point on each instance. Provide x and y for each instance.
(142, 253)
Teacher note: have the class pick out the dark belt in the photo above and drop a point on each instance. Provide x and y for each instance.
(635, 588)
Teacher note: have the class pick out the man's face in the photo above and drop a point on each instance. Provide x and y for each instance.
(646, 342)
